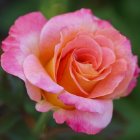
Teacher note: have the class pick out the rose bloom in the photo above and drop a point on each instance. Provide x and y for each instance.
(74, 64)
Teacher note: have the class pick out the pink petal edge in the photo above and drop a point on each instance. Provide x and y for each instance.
(36, 74)
(23, 39)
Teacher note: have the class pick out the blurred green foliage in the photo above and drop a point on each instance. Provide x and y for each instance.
(17, 112)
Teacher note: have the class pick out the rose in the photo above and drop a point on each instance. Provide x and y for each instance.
(74, 64)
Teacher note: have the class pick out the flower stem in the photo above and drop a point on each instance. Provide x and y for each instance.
(41, 124)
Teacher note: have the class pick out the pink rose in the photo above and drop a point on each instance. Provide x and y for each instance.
(74, 64)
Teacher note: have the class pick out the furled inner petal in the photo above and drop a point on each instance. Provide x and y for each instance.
(82, 44)
(50, 35)
(88, 55)
(75, 51)
(108, 57)
(86, 70)
(66, 79)
(88, 84)
(52, 66)
(109, 84)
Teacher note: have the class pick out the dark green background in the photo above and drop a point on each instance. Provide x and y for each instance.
(17, 113)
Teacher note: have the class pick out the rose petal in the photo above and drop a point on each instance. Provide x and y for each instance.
(85, 104)
(112, 34)
(23, 39)
(11, 62)
(33, 91)
(108, 85)
(37, 75)
(66, 78)
(123, 50)
(84, 42)
(124, 87)
(50, 36)
(104, 41)
(84, 121)
(108, 58)
(88, 84)
(86, 70)
(44, 106)
(88, 55)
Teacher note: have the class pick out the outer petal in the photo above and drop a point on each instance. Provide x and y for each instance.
(11, 62)
(44, 106)
(104, 42)
(112, 34)
(129, 82)
(108, 58)
(50, 35)
(85, 104)
(23, 39)
(37, 75)
(84, 121)
(33, 91)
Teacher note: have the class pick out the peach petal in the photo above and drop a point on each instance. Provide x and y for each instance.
(88, 84)
(109, 84)
(112, 34)
(87, 70)
(104, 41)
(88, 55)
(37, 75)
(66, 78)
(108, 57)
(123, 50)
(50, 68)
(53, 64)
(50, 36)
(126, 84)
(82, 41)
(54, 100)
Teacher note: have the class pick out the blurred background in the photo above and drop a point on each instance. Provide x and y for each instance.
(17, 113)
